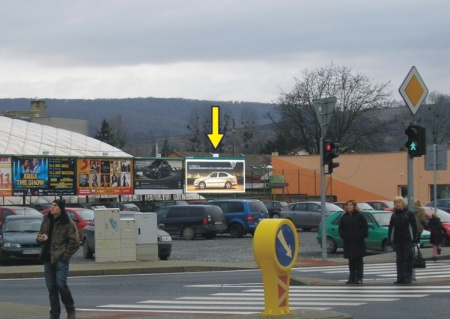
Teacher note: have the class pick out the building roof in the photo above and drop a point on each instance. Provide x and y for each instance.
(19, 137)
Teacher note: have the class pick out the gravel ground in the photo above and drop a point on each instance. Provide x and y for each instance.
(224, 248)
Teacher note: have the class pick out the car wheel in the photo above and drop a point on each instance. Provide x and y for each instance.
(236, 230)
(210, 236)
(276, 215)
(331, 245)
(227, 185)
(306, 228)
(202, 185)
(87, 252)
(387, 248)
(188, 233)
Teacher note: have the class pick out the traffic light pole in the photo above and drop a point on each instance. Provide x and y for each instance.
(411, 183)
(322, 201)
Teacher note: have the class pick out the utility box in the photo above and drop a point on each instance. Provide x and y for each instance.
(115, 237)
(146, 235)
(127, 239)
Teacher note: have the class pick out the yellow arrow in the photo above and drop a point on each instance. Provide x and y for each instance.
(215, 137)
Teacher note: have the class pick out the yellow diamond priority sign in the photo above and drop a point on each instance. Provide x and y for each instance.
(413, 90)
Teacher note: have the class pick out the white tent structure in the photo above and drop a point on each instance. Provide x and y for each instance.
(21, 138)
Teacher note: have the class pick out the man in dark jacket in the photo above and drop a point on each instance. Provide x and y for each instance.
(59, 238)
(353, 229)
(402, 234)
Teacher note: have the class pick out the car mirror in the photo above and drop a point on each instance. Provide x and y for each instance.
(371, 225)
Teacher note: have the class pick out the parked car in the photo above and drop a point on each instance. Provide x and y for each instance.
(308, 214)
(6, 211)
(378, 221)
(241, 215)
(153, 205)
(164, 240)
(81, 216)
(157, 169)
(216, 180)
(445, 220)
(18, 238)
(443, 204)
(361, 205)
(381, 204)
(122, 206)
(275, 207)
(189, 221)
(40, 206)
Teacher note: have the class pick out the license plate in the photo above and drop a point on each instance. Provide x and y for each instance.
(218, 223)
(31, 251)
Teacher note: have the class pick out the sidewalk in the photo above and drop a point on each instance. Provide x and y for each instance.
(23, 311)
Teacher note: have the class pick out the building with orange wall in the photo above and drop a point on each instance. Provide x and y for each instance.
(361, 176)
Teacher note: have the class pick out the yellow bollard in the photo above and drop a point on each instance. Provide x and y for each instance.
(275, 247)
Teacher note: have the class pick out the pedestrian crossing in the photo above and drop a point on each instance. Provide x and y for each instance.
(248, 298)
(376, 272)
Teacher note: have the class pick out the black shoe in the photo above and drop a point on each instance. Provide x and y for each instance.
(71, 315)
(398, 282)
(406, 282)
(350, 282)
(358, 282)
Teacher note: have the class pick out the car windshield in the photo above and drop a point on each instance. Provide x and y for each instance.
(86, 214)
(23, 225)
(365, 206)
(383, 219)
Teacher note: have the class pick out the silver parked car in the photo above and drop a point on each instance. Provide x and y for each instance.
(216, 180)
(308, 214)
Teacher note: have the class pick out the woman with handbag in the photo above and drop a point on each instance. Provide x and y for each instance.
(402, 234)
(437, 232)
(353, 228)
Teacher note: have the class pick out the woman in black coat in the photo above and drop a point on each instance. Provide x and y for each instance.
(353, 229)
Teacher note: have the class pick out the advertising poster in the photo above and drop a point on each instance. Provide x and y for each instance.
(158, 175)
(215, 176)
(43, 176)
(5, 176)
(104, 176)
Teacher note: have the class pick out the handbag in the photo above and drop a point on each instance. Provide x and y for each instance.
(418, 260)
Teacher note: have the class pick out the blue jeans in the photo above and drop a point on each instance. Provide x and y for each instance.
(56, 281)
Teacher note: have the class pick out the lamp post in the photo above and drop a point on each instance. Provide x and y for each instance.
(253, 178)
(269, 170)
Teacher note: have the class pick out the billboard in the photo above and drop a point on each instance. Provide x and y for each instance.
(158, 175)
(104, 176)
(215, 175)
(5, 176)
(43, 176)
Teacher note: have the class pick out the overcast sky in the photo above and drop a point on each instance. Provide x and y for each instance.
(223, 50)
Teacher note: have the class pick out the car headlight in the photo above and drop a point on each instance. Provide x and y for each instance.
(166, 239)
(11, 245)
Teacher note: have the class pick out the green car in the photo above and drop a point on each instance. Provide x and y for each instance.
(378, 221)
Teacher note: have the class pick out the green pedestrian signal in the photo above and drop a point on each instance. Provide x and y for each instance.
(416, 143)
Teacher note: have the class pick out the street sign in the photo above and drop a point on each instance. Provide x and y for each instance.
(413, 90)
(324, 111)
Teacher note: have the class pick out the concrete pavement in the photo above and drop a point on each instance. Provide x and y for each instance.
(10, 310)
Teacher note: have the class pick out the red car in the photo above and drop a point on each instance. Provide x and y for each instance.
(81, 216)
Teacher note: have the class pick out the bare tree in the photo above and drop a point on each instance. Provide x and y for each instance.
(355, 123)
(435, 116)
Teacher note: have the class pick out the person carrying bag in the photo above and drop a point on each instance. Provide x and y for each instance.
(418, 260)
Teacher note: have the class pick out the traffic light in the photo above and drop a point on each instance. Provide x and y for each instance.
(330, 152)
(417, 142)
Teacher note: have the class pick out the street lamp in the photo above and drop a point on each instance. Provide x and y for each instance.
(253, 178)
(269, 170)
